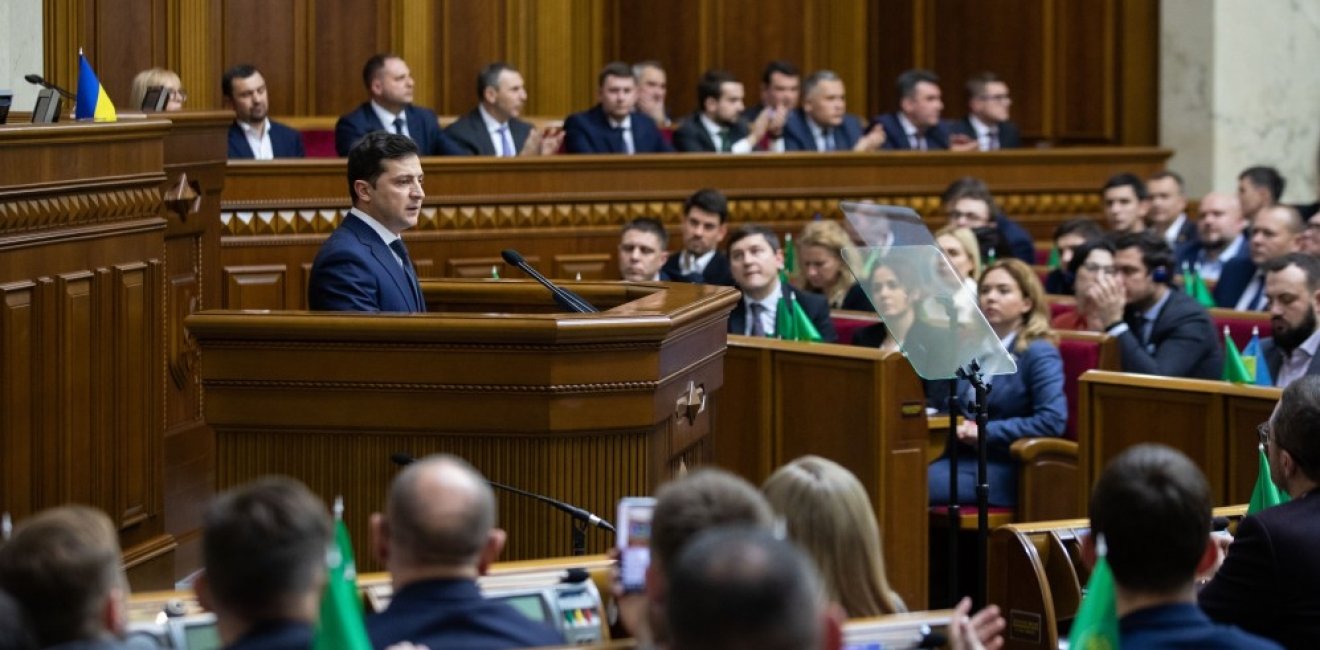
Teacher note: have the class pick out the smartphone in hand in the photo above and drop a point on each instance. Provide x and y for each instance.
(634, 541)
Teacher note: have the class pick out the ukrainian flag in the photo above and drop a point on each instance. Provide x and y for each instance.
(92, 101)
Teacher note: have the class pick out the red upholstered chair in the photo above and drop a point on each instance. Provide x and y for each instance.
(846, 323)
(1043, 251)
(319, 143)
(1239, 324)
(1061, 305)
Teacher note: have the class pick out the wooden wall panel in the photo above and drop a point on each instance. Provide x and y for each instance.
(764, 35)
(474, 34)
(1085, 96)
(673, 33)
(135, 300)
(117, 60)
(893, 47)
(264, 33)
(18, 334)
(346, 34)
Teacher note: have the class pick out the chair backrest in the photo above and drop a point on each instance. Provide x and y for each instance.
(1239, 324)
(846, 323)
(1061, 305)
(1082, 351)
(319, 143)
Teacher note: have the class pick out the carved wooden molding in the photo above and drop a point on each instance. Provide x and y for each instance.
(22, 215)
(556, 389)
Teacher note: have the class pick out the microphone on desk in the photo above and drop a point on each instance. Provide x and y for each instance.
(577, 513)
(566, 299)
(40, 81)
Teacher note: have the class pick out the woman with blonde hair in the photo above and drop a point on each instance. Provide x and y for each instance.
(827, 514)
(820, 254)
(1028, 403)
(166, 79)
(964, 253)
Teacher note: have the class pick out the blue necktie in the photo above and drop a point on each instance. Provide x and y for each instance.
(408, 272)
(398, 125)
(506, 143)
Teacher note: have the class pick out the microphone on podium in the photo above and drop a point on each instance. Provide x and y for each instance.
(41, 81)
(577, 513)
(566, 299)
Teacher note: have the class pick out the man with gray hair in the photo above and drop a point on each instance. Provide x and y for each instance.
(436, 537)
(652, 88)
(822, 123)
(493, 128)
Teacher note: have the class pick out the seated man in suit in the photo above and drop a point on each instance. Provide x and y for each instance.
(1275, 232)
(1259, 188)
(364, 265)
(1168, 212)
(253, 134)
(987, 120)
(743, 588)
(969, 204)
(389, 108)
(63, 566)
(1126, 203)
(436, 537)
(1150, 518)
(1160, 330)
(705, 215)
(1068, 236)
(823, 123)
(612, 125)
(1269, 582)
(718, 126)
(1220, 236)
(781, 86)
(652, 88)
(757, 259)
(493, 127)
(1292, 283)
(916, 125)
(643, 249)
(264, 553)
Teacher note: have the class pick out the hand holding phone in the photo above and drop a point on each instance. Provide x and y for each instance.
(634, 541)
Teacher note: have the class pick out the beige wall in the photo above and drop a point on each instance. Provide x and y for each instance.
(20, 49)
(1238, 87)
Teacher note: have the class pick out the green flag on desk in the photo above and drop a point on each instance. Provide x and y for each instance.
(1195, 287)
(1265, 493)
(1096, 624)
(342, 626)
(1235, 370)
(791, 321)
(790, 254)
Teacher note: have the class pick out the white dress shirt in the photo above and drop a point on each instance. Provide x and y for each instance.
(769, 312)
(1297, 362)
(689, 264)
(739, 146)
(1210, 268)
(916, 139)
(983, 132)
(385, 234)
(262, 149)
(387, 119)
(497, 131)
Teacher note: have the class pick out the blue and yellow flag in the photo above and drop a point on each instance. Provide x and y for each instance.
(92, 102)
(1235, 368)
(1254, 357)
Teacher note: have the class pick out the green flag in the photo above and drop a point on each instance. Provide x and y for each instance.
(791, 321)
(1096, 624)
(1054, 258)
(1265, 493)
(494, 272)
(1234, 369)
(790, 254)
(1195, 287)
(342, 626)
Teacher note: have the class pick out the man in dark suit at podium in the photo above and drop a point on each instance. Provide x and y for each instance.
(987, 120)
(756, 258)
(705, 215)
(389, 108)
(614, 125)
(253, 134)
(364, 265)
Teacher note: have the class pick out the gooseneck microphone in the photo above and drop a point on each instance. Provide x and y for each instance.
(567, 299)
(577, 513)
(40, 81)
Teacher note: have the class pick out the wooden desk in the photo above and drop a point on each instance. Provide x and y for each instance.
(564, 213)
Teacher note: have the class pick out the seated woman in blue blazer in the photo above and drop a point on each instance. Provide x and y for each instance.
(1027, 404)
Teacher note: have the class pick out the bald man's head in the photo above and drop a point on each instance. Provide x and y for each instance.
(1221, 219)
(440, 515)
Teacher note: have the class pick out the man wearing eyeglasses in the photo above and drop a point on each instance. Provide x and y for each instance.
(987, 120)
(1269, 583)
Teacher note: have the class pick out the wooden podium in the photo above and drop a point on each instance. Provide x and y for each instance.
(586, 408)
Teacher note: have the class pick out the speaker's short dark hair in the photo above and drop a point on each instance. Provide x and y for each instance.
(374, 65)
(1294, 426)
(648, 225)
(907, 82)
(1152, 505)
(778, 66)
(1155, 252)
(708, 200)
(739, 588)
(489, 77)
(615, 69)
(711, 86)
(240, 71)
(1266, 177)
(1127, 179)
(264, 547)
(366, 157)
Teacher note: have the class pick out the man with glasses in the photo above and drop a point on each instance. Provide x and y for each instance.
(987, 120)
(969, 204)
(1269, 583)
(1310, 239)
(1160, 331)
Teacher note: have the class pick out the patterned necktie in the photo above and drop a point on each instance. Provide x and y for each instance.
(398, 125)
(406, 262)
(757, 328)
(506, 142)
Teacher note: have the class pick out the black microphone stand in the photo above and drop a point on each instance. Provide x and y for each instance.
(974, 376)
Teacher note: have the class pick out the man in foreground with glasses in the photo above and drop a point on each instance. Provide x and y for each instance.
(987, 120)
(1269, 583)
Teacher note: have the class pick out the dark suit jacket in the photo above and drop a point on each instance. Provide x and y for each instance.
(815, 306)
(469, 134)
(1187, 237)
(1269, 583)
(1274, 359)
(275, 635)
(692, 135)
(1183, 339)
(1014, 240)
(453, 614)
(716, 272)
(1009, 138)
(1182, 625)
(937, 137)
(1233, 281)
(422, 124)
(356, 271)
(590, 132)
(797, 135)
(284, 141)
(1189, 255)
